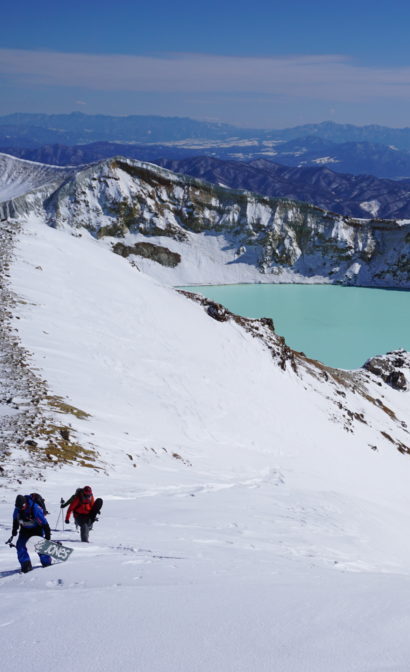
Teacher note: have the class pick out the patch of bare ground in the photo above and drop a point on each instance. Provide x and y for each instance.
(31, 436)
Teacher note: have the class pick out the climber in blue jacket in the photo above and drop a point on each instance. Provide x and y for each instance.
(29, 518)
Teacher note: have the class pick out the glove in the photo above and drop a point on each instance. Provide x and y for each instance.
(67, 522)
(9, 540)
(47, 532)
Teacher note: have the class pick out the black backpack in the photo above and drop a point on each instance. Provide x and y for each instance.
(38, 499)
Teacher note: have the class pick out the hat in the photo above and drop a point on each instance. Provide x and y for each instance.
(20, 501)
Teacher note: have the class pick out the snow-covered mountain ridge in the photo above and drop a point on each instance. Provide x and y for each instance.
(72, 302)
(19, 178)
(124, 204)
(223, 235)
(49, 409)
(255, 502)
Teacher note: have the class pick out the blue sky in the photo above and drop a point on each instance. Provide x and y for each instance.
(262, 64)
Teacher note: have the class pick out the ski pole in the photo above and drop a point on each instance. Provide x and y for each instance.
(58, 518)
(61, 511)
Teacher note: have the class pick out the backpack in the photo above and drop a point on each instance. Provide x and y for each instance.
(38, 499)
(83, 496)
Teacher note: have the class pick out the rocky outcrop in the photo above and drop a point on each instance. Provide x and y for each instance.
(217, 311)
(162, 255)
(393, 368)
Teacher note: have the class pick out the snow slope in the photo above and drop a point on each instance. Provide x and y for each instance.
(18, 177)
(255, 517)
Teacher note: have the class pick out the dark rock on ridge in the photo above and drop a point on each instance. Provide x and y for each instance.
(157, 253)
(390, 368)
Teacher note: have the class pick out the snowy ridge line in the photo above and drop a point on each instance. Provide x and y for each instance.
(21, 178)
(348, 393)
(269, 239)
(261, 328)
(3, 155)
(28, 423)
(288, 527)
(348, 398)
(254, 238)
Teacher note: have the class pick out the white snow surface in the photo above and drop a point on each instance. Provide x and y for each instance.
(325, 160)
(372, 207)
(243, 528)
(18, 176)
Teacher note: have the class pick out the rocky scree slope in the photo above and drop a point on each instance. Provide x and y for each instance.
(131, 200)
(32, 419)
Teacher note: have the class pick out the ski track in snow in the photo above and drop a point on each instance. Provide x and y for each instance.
(234, 578)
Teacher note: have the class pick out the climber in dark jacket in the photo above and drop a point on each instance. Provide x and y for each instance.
(29, 517)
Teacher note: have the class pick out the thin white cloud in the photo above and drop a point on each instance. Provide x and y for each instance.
(326, 77)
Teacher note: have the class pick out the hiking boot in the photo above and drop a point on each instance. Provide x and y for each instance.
(46, 563)
(26, 567)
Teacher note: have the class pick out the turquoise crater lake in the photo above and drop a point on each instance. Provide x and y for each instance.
(340, 326)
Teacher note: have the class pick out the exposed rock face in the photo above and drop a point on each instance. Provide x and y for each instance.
(217, 311)
(122, 198)
(392, 368)
(157, 253)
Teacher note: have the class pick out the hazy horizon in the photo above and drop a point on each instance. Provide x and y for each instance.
(202, 120)
(265, 65)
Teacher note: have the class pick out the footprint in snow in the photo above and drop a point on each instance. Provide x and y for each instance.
(55, 583)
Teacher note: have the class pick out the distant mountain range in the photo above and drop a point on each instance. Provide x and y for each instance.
(352, 157)
(32, 130)
(354, 195)
(351, 170)
(348, 157)
(76, 138)
(78, 128)
(347, 194)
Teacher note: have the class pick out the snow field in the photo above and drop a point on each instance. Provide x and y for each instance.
(217, 579)
(253, 533)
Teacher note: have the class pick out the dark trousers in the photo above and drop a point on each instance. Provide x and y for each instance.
(85, 520)
(21, 545)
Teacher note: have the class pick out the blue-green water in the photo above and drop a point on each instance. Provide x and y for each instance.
(340, 326)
